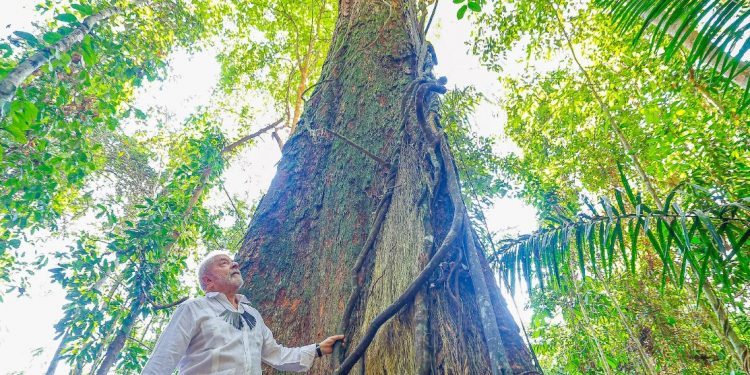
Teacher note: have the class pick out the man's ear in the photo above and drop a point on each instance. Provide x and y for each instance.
(207, 280)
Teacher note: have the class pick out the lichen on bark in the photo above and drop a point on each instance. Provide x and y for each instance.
(309, 229)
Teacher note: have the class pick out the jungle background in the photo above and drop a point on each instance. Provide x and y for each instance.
(602, 146)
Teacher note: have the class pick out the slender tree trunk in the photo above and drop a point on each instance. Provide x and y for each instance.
(303, 72)
(319, 217)
(114, 348)
(13, 80)
(590, 327)
(56, 357)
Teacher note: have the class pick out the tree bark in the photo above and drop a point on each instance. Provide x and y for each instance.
(308, 231)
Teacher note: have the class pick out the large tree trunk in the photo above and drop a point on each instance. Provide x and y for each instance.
(309, 230)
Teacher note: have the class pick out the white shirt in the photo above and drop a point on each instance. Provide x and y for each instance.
(198, 340)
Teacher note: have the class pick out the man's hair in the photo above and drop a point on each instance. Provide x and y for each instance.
(206, 262)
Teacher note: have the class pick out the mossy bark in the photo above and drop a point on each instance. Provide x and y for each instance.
(309, 229)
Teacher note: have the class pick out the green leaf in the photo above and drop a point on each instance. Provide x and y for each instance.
(458, 1)
(552, 249)
(609, 237)
(87, 51)
(702, 275)
(52, 37)
(85, 10)
(140, 114)
(474, 6)
(710, 226)
(668, 202)
(634, 244)
(590, 231)
(67, 17)
(30, 39)
(579, 248)
(620, 203)
(29, 111)
(64, 30)
(538, 263)
(461, 12)
(601, 235)
(620, 238)
(8, 50)
(683, 226)
(742, 240)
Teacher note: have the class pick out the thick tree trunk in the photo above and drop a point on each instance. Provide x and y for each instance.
(309, 230)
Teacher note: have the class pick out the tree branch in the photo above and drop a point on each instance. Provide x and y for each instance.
(22, 71)
(168, 305)
(358, 147)
(231, 201)
(232, 146)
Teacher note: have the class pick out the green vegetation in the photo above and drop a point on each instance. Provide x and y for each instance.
(630, 119)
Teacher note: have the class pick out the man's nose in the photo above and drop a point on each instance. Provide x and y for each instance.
(235, 265)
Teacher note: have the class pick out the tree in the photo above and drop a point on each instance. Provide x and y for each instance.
(294, 41)
(606, 107)
(49, 138)
(364, 225)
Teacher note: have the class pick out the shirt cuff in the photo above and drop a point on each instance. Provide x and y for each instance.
(307, 354)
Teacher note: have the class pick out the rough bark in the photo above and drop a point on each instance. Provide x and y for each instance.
(308, 232)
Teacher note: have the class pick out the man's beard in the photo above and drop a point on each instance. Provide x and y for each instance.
(236, 279)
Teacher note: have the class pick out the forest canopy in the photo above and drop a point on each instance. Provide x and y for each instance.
(621, 124)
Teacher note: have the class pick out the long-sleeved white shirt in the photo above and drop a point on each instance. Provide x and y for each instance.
(199, 340)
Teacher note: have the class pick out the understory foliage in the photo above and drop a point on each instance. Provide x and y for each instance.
(712, 36)
(638, 168)
(50, 134)
(480, 168)
(142, 255)
(72, 167)
(276, 48)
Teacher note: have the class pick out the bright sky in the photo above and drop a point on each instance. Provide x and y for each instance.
(26, 323)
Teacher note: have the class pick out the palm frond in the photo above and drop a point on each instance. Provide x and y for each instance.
(715, 34)
(711, 244)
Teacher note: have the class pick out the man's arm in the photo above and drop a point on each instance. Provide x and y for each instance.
(283, 358)
(172, 344)
(293, 359)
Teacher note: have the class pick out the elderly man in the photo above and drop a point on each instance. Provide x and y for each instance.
(222, 334)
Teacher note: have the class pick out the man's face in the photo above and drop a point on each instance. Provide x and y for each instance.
(224, 275)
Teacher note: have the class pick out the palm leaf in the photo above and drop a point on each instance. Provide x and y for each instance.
(714, 34)
(682, 239)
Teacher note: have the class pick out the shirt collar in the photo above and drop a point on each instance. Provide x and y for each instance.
(218, 295)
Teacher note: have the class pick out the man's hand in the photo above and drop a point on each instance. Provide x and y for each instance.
(326, 346)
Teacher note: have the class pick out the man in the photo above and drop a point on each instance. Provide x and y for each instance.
(222, 334)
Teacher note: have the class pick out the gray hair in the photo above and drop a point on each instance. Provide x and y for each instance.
(206, 263)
